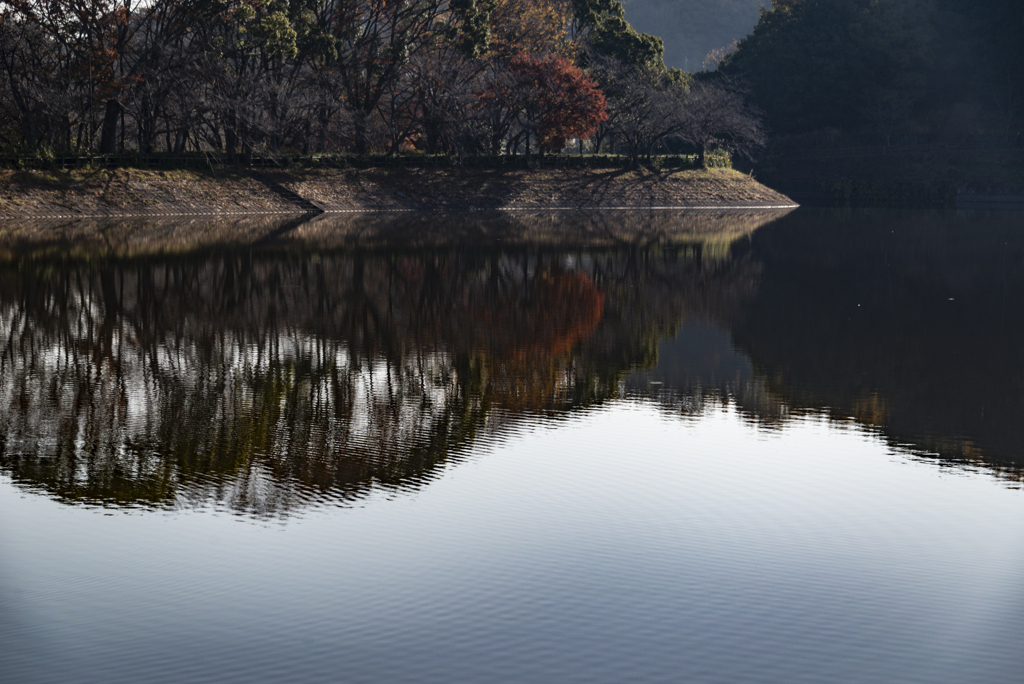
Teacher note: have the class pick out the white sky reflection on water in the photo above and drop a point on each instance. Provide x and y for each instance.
(621, 542)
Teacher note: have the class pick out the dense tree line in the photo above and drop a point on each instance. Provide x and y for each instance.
(354, 76)
(886, 71)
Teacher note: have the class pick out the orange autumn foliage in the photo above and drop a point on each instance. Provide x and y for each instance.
(531, 26)
(564, 309)
(532, 368)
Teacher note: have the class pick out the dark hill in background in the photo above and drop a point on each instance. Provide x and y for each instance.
(889, 93)
(693, 28)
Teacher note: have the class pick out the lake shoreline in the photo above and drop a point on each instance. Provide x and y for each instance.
(123, 193)
(937, 175)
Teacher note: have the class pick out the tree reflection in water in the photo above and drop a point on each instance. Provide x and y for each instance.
(906, 321)
(318, 367)
(268, 380)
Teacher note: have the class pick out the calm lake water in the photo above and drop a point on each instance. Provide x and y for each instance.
(757, 448)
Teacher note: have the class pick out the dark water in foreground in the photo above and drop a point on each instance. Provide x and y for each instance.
(754, 454)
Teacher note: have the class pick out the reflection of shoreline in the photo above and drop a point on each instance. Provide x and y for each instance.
(375, 231)
(273, 378)
(904, 322)
(270, 379)
(700, 371)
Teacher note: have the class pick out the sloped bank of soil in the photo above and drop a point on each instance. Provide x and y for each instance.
(134, 192)
(429, 189)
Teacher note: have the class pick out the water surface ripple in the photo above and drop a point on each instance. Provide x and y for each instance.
(734, 455)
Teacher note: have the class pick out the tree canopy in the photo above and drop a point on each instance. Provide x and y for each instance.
(272, 76)
(885, 68)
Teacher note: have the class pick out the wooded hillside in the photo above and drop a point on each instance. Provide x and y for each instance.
(889, 71)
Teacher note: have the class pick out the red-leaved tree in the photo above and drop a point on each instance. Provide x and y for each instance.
(550, 98)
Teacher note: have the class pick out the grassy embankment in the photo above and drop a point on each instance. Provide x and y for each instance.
(136, 192)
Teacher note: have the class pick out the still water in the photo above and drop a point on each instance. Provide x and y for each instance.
(670, 448)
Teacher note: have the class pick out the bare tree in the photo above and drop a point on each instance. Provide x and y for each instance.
(715, 115)
(446, 90)
(643, 104)
(375, 40)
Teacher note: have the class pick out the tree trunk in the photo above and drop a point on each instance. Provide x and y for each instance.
(433, 137)
(181, 140)
(231, 137)
(321, 133)
(147, 125)
(28, 130)
(247, 146)
(360, 133)
(108, 136)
